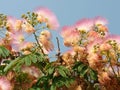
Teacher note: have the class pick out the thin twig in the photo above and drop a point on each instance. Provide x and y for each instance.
(38, 43)
(58, 45)
(59, 58)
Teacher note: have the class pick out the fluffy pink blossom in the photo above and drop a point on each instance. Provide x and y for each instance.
(28, 28)
(5, 84)
(10, 23)
(14, 34)
(104, 78)
(32, 70)
(69, 31)
(13, 24)
(71, 41)
(84, 24)
(47, 16)
(94, 60)
(100, 21)
(66, 31)
(46, 44)
(79, 49)
(113, 39)
(16, 39)
(26, 45)
(71, 35)
(68, 57)
(71, 52)
(94, 46)
(92, 35)
(105, 47)
(46, 33)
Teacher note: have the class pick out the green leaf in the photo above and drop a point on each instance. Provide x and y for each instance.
(76, 65)
(93, 74)
(60, 83)
(27, 60)
(34, 89)
(11, 65)
(84, 71)
(40, 57)
(42, 79)
(53, 87)
(62, 73)
(80, 67)
(16, 64)
(67, 83)
(7, 61)
(51, 70)
(48, 65)
(1, 69)
(4, 52)
(64, 69)
(33, 58)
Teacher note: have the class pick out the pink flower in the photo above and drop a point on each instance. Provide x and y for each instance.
(68, 31)
(18, 24)
(5, 84)
(71, 41)
(16, 39)
(71, 35)
(46, 33)
(105, 47)
(92, 35)
(71, 52)
(28, 28)
(94, 46)
(10, 23)
(104, 78)
(79, 49)
(112, 39)
(68, 57)
(47, 45)
(32, 70)
(47, 16)
(94, 60)
(26, 45)
(100, 21)
(84, 24)
(13, 24)
(100, 26)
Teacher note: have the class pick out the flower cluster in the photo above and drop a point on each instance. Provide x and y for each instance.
(92, 44)
(91, 63)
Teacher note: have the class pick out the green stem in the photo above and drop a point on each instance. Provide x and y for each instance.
(38, 43)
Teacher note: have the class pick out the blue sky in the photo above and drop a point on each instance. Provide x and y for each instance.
(68, 11)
